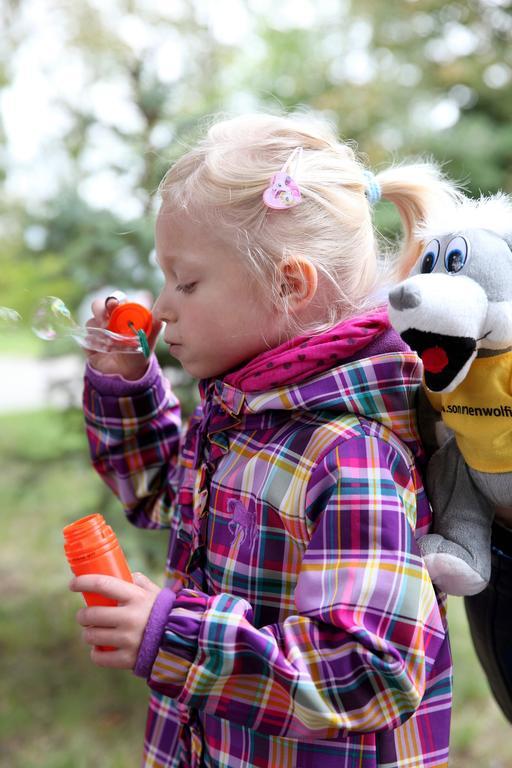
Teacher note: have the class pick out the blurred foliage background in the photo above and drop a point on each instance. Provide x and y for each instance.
(97, 99)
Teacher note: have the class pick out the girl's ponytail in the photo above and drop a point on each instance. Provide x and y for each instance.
(418, 191)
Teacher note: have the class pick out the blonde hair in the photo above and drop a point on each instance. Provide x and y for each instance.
(223, 178)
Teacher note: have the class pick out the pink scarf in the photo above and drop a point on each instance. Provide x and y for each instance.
(303, 357)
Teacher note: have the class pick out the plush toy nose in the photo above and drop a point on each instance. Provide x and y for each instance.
(404, 297)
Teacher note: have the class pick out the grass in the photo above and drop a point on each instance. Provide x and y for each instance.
(480, 733)
(56, 709)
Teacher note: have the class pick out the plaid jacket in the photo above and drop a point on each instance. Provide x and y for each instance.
(307, 632)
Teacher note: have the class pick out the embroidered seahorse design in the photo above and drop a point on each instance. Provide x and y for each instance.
(241, 524)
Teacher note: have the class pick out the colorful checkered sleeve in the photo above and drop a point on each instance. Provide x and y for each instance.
(355, 654)
(134, 430)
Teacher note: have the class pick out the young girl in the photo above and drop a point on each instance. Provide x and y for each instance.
(298, 626)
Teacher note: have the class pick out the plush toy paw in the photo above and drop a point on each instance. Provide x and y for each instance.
(448, 566)
(454, 576)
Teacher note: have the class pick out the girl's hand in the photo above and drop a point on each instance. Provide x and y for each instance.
(129, 366)
(121, 626)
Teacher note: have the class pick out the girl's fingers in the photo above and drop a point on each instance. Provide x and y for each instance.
(103, 308)
(97, 616)
(110, 304)
(145, 583)
(100, 312)
(118, 659)
(108, 586)
(116, 296)
(101, 636)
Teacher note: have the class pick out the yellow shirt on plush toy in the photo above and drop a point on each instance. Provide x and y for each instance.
(479, 411)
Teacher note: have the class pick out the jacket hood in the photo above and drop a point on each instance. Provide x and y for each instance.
(360, 367)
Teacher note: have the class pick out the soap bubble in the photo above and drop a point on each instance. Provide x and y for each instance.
(9, 319)
(52, 320)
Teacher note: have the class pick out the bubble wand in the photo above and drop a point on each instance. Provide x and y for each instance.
(127, 332)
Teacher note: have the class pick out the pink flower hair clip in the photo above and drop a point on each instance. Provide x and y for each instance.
(284, 191)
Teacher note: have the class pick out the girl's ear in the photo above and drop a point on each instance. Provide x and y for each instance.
(299, 282)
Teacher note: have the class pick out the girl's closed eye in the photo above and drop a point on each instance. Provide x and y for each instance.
(186, 287)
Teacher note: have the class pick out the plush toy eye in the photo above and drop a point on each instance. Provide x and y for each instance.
(456, 254)
(430, 256)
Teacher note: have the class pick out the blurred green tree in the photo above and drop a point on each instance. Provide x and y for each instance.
(408, 78)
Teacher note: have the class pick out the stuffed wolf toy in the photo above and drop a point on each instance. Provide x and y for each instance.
(455, 311)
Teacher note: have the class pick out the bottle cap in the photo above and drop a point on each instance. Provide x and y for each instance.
(87, 538)
(128, 318)
(91, 546)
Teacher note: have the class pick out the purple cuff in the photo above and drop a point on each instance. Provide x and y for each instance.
(153, 633)
(114, 384)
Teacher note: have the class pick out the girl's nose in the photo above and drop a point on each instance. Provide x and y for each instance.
(163, 311)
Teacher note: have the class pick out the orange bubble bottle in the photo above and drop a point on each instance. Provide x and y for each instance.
(91, 546)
